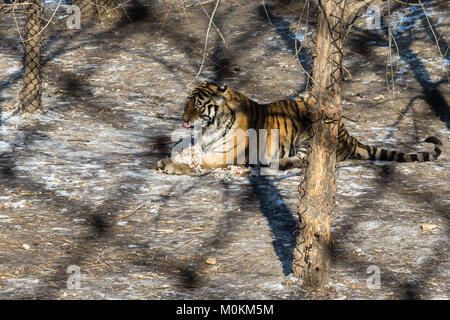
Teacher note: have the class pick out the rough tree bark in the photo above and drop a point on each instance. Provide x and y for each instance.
(31, 94)
(318, 188)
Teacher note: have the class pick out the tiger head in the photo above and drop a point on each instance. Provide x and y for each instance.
(204, 103)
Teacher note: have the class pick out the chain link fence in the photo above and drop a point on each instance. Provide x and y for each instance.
(30, 95)
(95, 8)
(32, 37)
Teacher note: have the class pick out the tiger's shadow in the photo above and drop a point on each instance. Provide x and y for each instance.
(280, 218)
(262, 193)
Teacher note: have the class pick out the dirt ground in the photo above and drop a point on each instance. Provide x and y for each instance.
(78, 181)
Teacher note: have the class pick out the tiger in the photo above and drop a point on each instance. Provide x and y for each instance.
(222, 112)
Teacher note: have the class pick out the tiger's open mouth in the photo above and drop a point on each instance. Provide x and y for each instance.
(196, 124)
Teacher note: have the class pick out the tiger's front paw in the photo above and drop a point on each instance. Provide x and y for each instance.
(161, 164)
(169, 167)
(174, 168)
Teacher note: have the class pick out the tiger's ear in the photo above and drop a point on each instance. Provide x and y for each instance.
(222, 88)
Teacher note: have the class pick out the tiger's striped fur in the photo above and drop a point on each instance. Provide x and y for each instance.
(223, 112)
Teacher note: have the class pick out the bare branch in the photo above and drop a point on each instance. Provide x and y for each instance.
(206, 41)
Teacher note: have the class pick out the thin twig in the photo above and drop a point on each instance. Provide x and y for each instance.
(355, 7)
(345, 117)
(107, 264)
(17, 25)
(217, 29)
(265, 10)
(391, 36)
(432, 31)
(45, 27)
(99, 13)
(237, 3)
(409, 4)
(132, 212)
(15, 4)
(199, 3)
(297, 50)
(125, 11)
(196, 50)
(206, 41)
(164, 22)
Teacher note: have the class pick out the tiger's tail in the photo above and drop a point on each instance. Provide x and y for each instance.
(350, 148)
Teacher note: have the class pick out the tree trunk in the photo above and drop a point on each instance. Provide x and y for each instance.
(318, 188)
(87, 7)
(31, 95)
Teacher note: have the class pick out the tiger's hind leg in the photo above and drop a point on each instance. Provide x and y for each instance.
(297, 161)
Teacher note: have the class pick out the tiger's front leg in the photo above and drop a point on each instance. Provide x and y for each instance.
(169, 167)
(209, 161)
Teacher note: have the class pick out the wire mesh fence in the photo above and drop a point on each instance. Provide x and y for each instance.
(32, 19)
(31, 93)
(95, 9)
